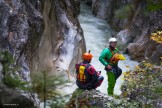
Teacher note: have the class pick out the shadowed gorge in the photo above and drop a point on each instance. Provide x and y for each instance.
(41, 41)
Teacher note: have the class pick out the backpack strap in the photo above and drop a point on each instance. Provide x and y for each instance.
(82, 77)
(113, 52)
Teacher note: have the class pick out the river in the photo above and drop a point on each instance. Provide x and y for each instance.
(96, 33)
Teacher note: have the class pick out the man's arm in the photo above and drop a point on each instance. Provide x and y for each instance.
(102, 57)
(93, 72)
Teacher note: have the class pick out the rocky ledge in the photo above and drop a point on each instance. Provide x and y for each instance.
(94, 98)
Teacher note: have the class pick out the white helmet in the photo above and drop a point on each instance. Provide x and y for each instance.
(112, 40)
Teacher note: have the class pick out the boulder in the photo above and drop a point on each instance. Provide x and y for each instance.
(10, 98)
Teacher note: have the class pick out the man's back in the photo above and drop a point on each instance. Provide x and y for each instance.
(86, 75)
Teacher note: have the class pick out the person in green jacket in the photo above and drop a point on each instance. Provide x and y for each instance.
(111, 64)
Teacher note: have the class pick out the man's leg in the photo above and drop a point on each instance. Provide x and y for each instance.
(119, 72)
(99, 81)
(111, 83)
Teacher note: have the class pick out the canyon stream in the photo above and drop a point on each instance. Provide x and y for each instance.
(96, 33)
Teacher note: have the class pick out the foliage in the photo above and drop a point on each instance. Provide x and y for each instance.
(122, 103)
(15, 82)
(128, 10)
(157, 37)
(153, 5)
(48, 82)
(11, 79)
(59, 102)
(7, 60)
(143, 84)
(45, 85)
(124, 12)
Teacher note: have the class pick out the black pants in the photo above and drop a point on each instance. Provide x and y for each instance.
(116, 70)
(90, 85)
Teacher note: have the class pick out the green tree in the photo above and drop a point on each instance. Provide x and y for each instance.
(45, 85)
(10, 77)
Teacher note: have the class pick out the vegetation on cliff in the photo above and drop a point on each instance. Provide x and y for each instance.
(46, 86)
(144, 83)
(43, 83)
(10, 76)
(129, 9)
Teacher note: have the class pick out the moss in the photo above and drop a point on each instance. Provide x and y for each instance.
(124, 12)
(153, 5)
(79, 100)
(77, 92)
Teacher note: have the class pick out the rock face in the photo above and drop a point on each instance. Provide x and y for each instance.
(62, 42)
(41, 35)
(102, 8)
(139, 34)
(137, 24)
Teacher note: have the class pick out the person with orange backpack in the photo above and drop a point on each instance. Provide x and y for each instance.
(87, 77)
(109, 58)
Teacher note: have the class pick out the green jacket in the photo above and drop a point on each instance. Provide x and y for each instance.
(106, 56)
